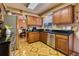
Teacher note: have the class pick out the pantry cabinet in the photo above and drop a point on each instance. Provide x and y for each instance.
(64, 44)
(64, 16)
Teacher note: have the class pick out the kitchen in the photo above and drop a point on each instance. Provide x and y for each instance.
(51, 29)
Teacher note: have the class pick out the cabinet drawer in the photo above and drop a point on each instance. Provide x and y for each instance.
(62, 36)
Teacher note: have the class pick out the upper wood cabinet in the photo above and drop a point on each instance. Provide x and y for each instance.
(57, 17)
(32, 20)
(64, 16)
(67, 15)
(39, 21)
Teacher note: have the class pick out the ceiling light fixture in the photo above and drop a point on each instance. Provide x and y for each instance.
(33, 5)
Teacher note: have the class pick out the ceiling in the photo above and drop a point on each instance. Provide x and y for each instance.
(40, 9)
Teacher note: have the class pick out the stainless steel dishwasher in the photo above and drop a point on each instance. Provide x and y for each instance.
(51, 40)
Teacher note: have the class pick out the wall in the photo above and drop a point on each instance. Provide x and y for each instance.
(76, 28)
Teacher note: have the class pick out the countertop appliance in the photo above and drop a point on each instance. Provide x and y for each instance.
(51, 40)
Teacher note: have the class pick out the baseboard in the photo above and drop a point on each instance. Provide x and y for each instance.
(76, 53)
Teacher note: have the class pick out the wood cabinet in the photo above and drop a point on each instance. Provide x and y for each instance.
(67, 15)
(64, 16)
(33, 37)
(64, 44)
(36, 36)
(30, 20)
(57, 17)
(34, 21)
(39, 21)
(43, 37)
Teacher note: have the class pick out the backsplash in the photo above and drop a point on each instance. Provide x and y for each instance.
(55, 27)
(38, 27)
(58, 27)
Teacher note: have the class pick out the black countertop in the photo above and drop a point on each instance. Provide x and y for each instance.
(64, 32)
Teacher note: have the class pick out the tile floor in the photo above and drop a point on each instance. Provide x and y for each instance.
(35, 49)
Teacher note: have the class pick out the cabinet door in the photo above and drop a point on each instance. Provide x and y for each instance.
(33, 37)
(30, 20)
(34, 20)
(62, 44)
(43, 37)
(66, 15)
(39, 21)
(57, 17)
(30, 37)
(71, 13)
(36, 36)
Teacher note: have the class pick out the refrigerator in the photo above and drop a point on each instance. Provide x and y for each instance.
(11, 20)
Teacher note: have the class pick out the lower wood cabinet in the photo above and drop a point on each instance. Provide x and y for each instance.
(32, 37)
(43, 37)
(64, 44)
(36, 36)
